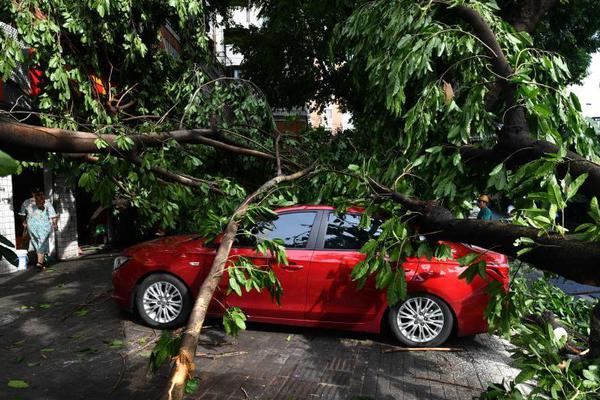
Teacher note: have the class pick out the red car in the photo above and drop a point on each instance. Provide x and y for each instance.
(159, 279)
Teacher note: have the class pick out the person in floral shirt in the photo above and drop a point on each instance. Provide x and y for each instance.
(39, 218)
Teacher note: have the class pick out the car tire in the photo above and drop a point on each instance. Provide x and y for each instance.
(163, 301)
(422, 320)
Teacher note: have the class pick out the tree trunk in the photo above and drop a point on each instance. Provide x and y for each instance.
(184, 362)
(572, 259)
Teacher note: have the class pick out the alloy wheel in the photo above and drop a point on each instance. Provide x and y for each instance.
(420, 319)
(162, 302)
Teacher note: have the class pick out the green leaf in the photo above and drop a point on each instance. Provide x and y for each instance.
(166, 347)
(424, 250)
(116, 344)
(8, 165)
(575, 185)
(396, 291)
(81, 313)
(192, 385)
(17, 384)
(525, 375)
(468, 259)
(235, 286)
(497, 169)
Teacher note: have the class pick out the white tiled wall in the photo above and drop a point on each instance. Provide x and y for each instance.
(64, 202)
(7, 217)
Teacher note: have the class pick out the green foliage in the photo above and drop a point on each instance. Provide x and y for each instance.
(234, 320)
(17, 384)
(166, 348)
(192, 385)
(538, 353)
(590, 230)
(104, 71)
(474, 266)
(578, 23)
(245, 275)
(8, 165)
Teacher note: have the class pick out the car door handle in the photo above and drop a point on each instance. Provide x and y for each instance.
(291, 267)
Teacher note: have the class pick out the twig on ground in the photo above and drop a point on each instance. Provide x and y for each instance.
(396, 349)
(121, 373)
(213, 343)
(448, 383)
(245, 393)
(214, 356)
(152, 341)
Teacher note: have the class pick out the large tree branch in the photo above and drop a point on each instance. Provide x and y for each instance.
(164, 175)
(177, 177)
(184, 362)
(514, 118)
(515, 136)
(573, 259)
(523, 15)
(66, 141)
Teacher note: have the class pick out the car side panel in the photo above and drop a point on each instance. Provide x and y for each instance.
(293, 278)
(467, 300)
(332, 294)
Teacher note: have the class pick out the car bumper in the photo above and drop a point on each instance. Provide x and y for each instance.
(123, 288)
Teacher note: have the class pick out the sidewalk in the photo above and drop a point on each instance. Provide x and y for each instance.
(61, 333)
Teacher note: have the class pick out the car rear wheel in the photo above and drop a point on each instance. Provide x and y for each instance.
(163, 301)
(421, 320)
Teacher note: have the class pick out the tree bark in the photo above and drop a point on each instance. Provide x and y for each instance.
(573, 259)
(515, 135)
(56, 140)
(184, 362)
(523, 15)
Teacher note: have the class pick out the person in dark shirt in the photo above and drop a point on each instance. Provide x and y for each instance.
(484, 212)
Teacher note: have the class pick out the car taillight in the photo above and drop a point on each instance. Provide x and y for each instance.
(499, 272)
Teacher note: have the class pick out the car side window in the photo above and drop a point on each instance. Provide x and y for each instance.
(345, 233)
(292, 228)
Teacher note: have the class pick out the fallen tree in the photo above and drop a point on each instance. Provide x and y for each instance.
(184, 362)
(424, 73)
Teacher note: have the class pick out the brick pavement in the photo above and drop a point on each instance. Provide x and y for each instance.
(64, 355)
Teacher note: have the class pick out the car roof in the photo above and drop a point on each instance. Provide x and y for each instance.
(309, 207)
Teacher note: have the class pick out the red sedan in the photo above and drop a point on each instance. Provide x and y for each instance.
(159, 279)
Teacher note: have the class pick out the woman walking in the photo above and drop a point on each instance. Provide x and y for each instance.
(39, 218)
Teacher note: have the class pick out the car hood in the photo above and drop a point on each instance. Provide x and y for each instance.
(166, 244)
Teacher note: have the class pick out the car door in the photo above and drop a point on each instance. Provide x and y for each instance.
(295, 229)
(332, 295)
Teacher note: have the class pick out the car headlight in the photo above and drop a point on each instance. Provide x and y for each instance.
(119, 261)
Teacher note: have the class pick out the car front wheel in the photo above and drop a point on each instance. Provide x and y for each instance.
(163, 301)
(421, 320)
